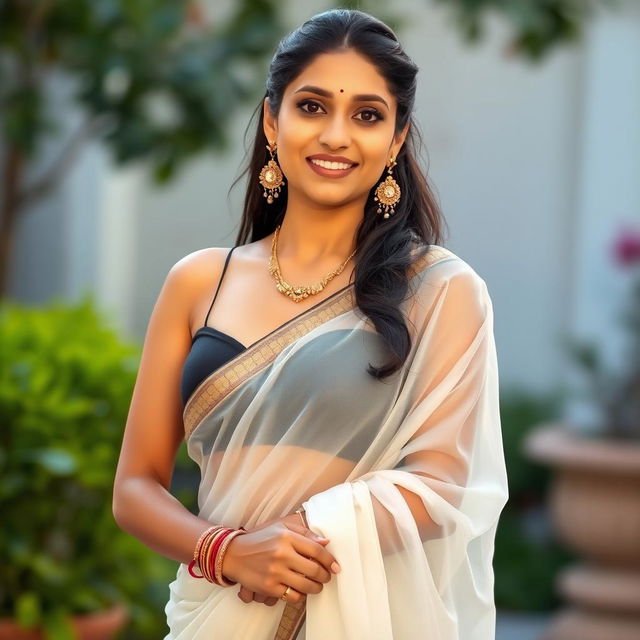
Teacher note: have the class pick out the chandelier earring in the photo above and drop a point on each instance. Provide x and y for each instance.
(271, 177)
(388, 193)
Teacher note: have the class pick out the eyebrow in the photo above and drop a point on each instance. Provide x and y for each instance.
(361, 97)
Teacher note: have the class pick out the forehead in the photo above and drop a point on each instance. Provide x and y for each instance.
(347, 70)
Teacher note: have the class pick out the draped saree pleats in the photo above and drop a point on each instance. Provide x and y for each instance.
(405, 475)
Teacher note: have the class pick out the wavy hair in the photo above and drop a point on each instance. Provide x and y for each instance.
(384, 247)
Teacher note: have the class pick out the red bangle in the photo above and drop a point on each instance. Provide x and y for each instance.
(206, 550)
(191, 565)
(209, 552)
(219, 576)
(198, 547)
(213, 554)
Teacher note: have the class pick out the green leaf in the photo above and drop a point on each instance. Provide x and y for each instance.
(27, 609)
(57, 626)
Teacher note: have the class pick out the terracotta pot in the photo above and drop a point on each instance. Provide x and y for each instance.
(102, 625)
(594, 503)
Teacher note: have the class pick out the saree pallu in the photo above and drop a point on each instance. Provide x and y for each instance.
(405, 475)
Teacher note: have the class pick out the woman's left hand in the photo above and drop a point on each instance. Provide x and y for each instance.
(246, 595)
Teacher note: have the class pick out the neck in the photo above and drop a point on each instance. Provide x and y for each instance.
(313, 235)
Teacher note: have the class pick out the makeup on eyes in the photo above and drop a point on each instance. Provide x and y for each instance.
(378, 115)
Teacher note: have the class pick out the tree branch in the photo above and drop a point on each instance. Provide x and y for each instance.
(42, 185)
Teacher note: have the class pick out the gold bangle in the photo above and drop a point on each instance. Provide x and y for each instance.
(201, 538)
(300, 512)
(220, 579)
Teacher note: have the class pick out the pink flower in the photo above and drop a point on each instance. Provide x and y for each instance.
(195, 14)
(627, 247)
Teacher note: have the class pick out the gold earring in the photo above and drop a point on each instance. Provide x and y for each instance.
(388, 193)
(271, 176)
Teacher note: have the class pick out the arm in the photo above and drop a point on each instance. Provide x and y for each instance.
(455, 403)
(451, 423)
(142, 503)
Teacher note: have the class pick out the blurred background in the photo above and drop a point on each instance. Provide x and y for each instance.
(124, 125)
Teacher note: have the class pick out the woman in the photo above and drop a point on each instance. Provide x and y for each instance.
(347, 430)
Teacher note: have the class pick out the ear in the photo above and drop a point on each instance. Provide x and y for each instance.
(398, 141)
(270, 124)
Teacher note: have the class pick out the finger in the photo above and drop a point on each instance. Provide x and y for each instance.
(310, 568)
(259, 597)
(301, 598)
(246, 595)
(292, 596)
(304, 531)
(313, 550)
(300, 584)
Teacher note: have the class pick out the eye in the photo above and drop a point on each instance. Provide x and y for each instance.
(313, 103)
(375, 112)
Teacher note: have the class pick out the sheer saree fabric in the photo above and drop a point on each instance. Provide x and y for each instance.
(405, 475)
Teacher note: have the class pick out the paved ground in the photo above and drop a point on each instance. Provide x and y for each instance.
(517, 626)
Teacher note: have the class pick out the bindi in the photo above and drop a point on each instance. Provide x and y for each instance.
(341, 90)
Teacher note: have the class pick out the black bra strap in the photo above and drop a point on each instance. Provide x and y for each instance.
(226, 262)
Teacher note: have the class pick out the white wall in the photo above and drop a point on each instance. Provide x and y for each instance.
(520, 155)
(501, 139)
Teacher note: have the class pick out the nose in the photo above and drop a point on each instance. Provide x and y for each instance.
(335, 134)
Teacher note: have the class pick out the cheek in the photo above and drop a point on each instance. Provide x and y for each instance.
(295, 142)
(292, 144)
(375, 158)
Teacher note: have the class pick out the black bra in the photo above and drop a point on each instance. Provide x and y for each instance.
(210, 349)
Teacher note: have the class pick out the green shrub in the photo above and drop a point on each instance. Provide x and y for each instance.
(65, 387)
(527, 555)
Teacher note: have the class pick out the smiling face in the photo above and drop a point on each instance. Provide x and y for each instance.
(338, 109)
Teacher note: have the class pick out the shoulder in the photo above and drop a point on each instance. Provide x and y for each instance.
(438, 265)
(191, 278)
(440, 274)
(198, 269)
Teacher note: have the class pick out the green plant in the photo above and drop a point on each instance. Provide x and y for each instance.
(615, 394)
(527, 555)
(157, 80)
(65, 386)
(537, 27)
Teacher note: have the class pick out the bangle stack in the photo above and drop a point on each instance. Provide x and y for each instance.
(209, 553)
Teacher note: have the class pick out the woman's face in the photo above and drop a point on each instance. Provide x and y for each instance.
(339, 106)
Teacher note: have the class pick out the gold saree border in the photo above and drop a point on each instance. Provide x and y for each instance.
(213, 389)
(221, 382)
(291, 622)
(294, 613)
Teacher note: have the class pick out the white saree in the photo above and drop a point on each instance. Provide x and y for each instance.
(296, 420)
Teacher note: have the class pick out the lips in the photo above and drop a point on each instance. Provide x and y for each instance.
(328, 158)
(330, 173)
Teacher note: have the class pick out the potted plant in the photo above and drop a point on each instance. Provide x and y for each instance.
(68, 571)
(595, 495)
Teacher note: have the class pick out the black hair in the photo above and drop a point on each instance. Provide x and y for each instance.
(384, 247)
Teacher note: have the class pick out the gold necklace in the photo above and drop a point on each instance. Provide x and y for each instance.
(298, 293)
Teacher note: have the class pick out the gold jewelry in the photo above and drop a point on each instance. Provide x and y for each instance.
(284, 595)
(298, 293)
(271, 176)
(388, 193)
(299, 512)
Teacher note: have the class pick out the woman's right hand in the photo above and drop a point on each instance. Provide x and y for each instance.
(268, 559)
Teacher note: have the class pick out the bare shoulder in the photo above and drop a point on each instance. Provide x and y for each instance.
(203, 267)
(191, 277)
(199, 267)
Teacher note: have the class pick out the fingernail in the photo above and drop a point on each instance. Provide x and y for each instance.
(321, 538)
(335, 567)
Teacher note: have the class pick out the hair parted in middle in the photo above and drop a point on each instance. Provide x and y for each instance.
(383, 245)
